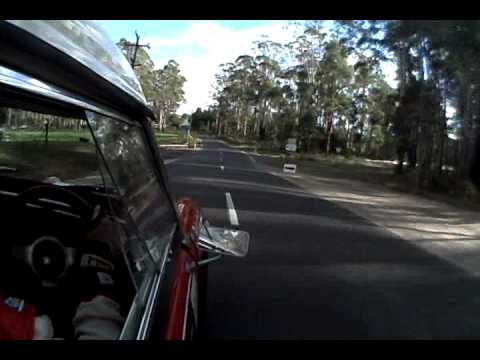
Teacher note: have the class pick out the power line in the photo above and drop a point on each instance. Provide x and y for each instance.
(135, 46)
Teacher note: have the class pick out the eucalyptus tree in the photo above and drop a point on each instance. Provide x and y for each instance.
(169, 87)
(334, 83)
(163, 88)
(144, 69)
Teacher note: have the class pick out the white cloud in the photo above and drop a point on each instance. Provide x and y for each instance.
(158, 42)
(203, 47)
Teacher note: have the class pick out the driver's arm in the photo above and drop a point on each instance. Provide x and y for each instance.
(98, 319)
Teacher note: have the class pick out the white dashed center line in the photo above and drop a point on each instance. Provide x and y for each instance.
(222, 167)
(231, 210)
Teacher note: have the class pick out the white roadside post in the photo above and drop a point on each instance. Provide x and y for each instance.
(291, 147)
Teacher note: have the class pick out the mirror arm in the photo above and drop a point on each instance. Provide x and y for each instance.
(209, 260)
(206, 229)
(202, 262)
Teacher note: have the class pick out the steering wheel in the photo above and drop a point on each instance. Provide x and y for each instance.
(58, 219)
(44, 230)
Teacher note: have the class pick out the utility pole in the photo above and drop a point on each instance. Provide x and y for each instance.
(135, 49)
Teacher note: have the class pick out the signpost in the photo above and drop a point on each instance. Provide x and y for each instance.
(185, 126)
(290, 147)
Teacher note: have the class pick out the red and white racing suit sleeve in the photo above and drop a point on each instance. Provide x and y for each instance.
(97, 319)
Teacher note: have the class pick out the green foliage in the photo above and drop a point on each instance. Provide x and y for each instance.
(203, 120)
(330, 93)
(174, 120)
(163, 88)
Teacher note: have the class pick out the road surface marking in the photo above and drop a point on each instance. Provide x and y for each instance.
(222, 167)
(231, 210)
(8, 193)
(254, 162)
(170, 161)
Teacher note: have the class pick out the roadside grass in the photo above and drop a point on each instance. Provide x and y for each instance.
(250, 145)
(39, 135)
(170, 137)
(37, 160)
(380, 173)
(177, 137)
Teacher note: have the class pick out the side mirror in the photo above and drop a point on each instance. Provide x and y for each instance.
(224, 241)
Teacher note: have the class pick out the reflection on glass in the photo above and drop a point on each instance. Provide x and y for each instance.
(144, 199)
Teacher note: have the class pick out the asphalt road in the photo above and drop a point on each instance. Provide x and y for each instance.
(316, 270)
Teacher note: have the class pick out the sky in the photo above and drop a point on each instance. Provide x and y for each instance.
(200, 46)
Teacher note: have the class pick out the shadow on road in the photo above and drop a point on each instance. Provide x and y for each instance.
(317, 270)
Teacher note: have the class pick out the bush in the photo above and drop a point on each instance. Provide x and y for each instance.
(471, 190)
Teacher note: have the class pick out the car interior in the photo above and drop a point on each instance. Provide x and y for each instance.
(53, 199)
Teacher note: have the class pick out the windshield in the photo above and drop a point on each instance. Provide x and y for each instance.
(131, 168)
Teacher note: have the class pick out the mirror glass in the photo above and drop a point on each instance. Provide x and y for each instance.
(224, 241)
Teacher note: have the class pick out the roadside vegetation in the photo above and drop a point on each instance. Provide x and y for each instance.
(327, 90)
(170, 137)
(38, 160)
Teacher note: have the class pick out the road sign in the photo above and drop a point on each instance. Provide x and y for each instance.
(291, 147)
(289, 168)
(185, 124)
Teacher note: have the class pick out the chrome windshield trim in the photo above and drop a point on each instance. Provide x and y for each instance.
(30, 84)
(149, 288)
(187, 300)
(88, 43)
(146, 319)
(130, 327)
(149, 311)
(54, 202)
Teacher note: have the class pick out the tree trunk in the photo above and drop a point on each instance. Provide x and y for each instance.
(347, 138)
(329, 133)
(360, 137)
(217, 124)
(402, 69)
(401, 159)
(475, 167)
(369, 140)
(467, 134)
(9, 118)
(442, 135)
(237, 117)
(245, 124)
(412, 149)
(441, 147)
